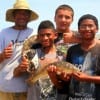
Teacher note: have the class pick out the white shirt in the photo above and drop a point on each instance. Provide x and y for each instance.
(8, 83)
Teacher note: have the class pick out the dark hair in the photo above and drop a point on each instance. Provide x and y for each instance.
(45, 25)
(88, 16)
(65, 7)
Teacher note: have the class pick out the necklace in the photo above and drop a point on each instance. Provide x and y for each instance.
(16, 40)
(18, 35)
(43, 56)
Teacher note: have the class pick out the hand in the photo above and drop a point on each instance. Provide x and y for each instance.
(64, 76)
(22, 68)
(23, 65)
(53, 76)
(70, 38)
(67, 37)
(80, 76)
(8, 51)
(57, 76)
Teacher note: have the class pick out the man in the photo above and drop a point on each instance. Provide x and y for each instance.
(47, 54)
(86, 57)
(11, 43)
(64, 16)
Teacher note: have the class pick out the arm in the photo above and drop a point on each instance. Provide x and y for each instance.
(71, 38)
(88, 78)
(52, 74)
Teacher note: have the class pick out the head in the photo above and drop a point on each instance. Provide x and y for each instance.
(63, 17)
(88, 26)
(46, 33)
(21, 18)
(21, 13)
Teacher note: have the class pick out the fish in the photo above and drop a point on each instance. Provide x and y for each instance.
(29, 52)
(27, 45)
(42, 72)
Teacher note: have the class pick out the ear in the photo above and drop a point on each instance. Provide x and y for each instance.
(72, 18)
(96, 30)
(38, 37)
(56, 35)
(79, 31)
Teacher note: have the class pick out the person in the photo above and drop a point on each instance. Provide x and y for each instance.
(64, 16)
(47, 54)
(11, 43)
(85, 56)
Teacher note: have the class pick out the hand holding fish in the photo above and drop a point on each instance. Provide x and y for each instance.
(61, 66)
(80, 76)
(57, 76)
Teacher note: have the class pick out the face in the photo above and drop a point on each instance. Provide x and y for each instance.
(63, 19)
(21, 18)
(88, 29)
(46, 37)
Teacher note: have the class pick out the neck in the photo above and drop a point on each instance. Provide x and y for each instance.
(19, 27)
(87, 45)
(49, 49)
(63, 31)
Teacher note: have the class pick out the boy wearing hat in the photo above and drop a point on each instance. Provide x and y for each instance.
(11, 43)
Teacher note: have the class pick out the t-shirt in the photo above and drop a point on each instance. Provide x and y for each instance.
(63, 47)
(45, 89)
(87, 63)
(8, 83)
(62, 50)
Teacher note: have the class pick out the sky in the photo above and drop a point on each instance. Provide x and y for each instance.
(46, 10)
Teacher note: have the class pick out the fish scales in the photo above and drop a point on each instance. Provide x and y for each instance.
(42, 72)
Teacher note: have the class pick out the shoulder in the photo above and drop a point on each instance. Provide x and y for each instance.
(5, 29)
(76, 33)
(4, 32)
(74, 47)
(30, 29)
(36, 45)
(74, 50)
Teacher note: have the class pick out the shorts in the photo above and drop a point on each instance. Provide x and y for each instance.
(13, 96)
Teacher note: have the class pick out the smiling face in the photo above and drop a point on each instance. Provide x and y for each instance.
(87, 29)
(63, 19)
(21, 17)
(46, 37)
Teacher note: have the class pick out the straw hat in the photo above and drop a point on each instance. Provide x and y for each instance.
(20, 4)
